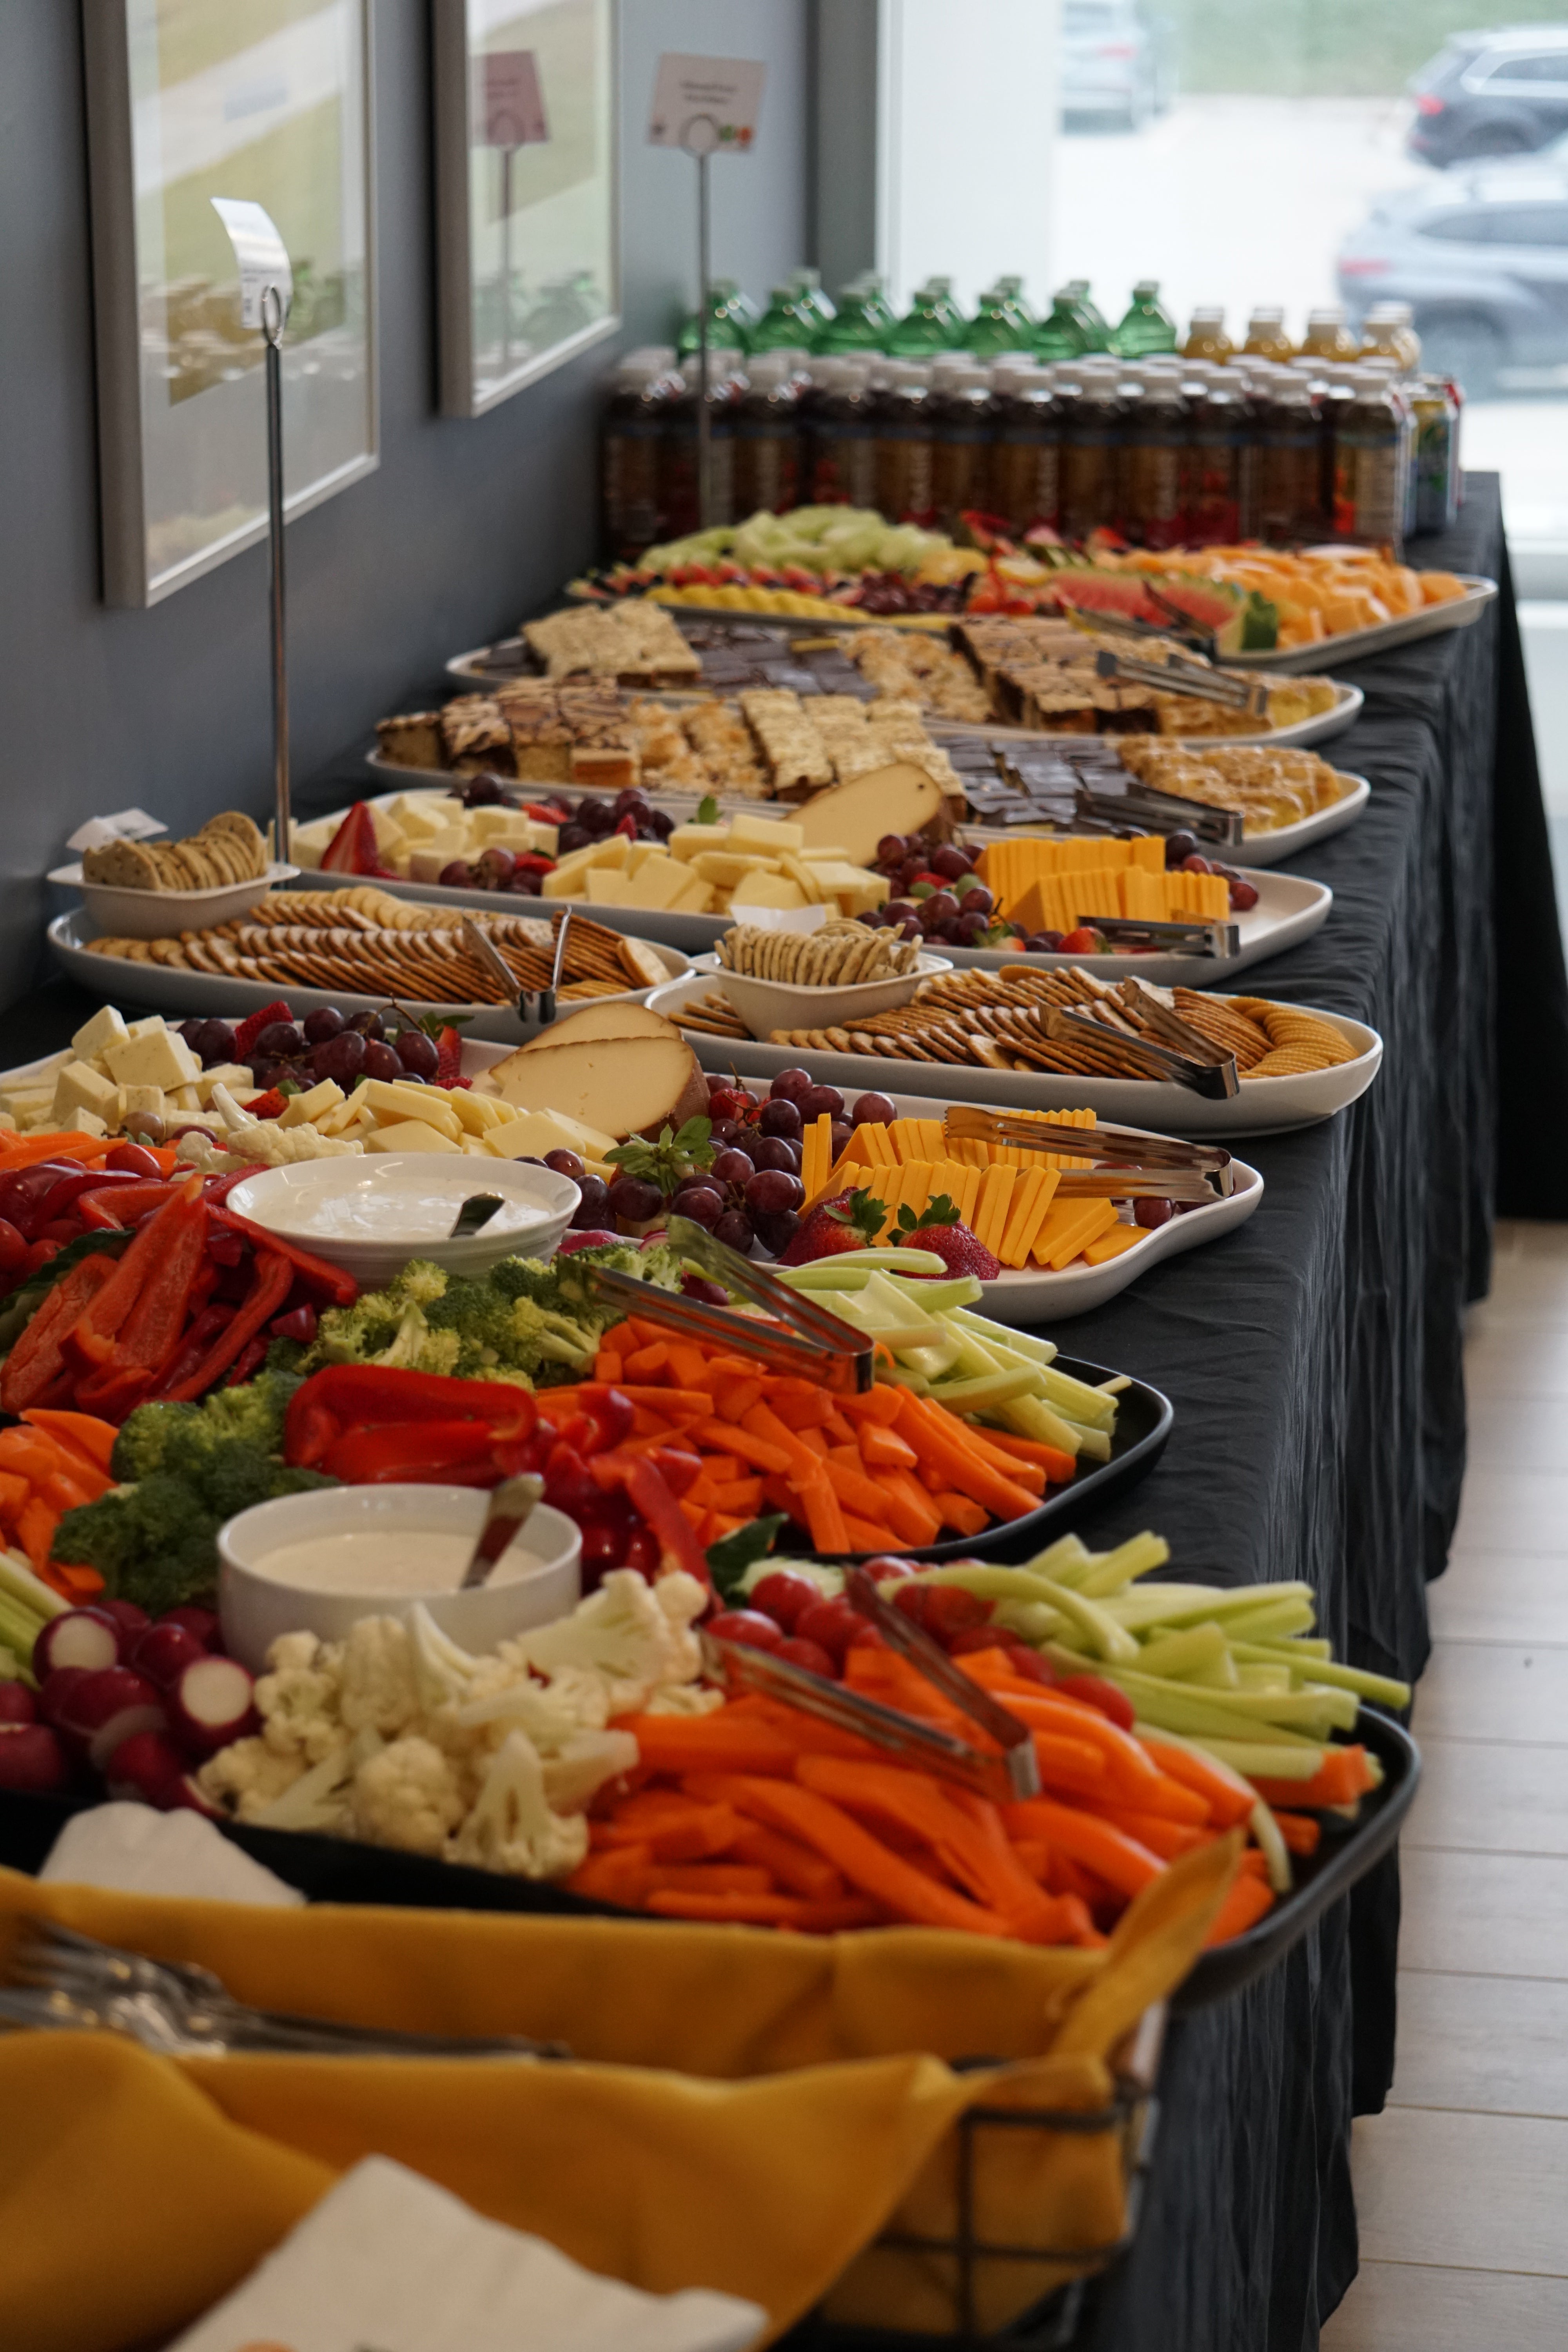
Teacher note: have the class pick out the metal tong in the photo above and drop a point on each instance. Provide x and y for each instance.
(1215, 1077)
(532, 1005)
(1012, 1775)
(60, 1980)
(804, 1341)
(1132, 1166)
(1159, 812)
(1121, 931)
(1175, 676)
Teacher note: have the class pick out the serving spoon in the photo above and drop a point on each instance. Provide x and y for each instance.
(511, 1505)
(476, 1211)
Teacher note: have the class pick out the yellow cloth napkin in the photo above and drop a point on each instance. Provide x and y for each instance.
(745, 2111)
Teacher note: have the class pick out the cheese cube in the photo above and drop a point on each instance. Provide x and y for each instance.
(84, 1122)
(301, 1110)
(423, 814)
(644, 852)
(811, 884)
(105, 1028)
(308, 843)
(689, 841)
(161, 1059)
(8, 1122)
(342, 1116)
(767, 890)
(508, 827)
(389, 833)
(474, 1114)
(409, 1135)
(141, 1102)
(232, 1075)
(826, 856)
(429, 864)
(725, 867)
(148, 1027)
(660, 884)
(765, 832)
(184, 1098)
(606, 886)
(81, 1087)
(528, 1135)
(389, 1098)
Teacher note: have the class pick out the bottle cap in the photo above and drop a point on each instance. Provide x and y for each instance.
(1146, 290)
(1210, 314)
(908, 375)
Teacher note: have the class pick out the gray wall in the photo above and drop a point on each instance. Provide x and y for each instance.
(465, 528)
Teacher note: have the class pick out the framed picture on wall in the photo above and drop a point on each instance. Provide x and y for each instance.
(188, 100)
(525, 189)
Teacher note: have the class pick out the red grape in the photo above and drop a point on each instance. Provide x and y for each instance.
(873, 1110)
(773, 1151)
(381, 1062)
(890, 849)
(565, 1163)
(458, 875)
(280, 1040)
(789, 1084)
(1243, 898)
(494, 867)
(781, 1116)
(734, 1230)
(1179, 845)
(593, 1207)
(417, 1053)
(325, 1023)
(1151, 1213)
(634, 1200)
(1196, 864)
(775, 1229)
(817, 1099)
(339, 1058)
(842, 1131)
(700, 1202)
(732, 1168)
(950, 861)
(771, 1190)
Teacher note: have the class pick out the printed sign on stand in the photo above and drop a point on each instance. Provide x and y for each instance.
(707, 105)
(513, 100)
(260, 252)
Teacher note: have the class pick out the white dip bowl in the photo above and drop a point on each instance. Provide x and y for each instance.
(267, 1586)
(370, 1215)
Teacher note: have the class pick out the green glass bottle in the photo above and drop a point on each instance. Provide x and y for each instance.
(1146, 328)
(807, 287)
(932, 323)
(787, 324)
(742, 307)
(1061, 334)
(864, 320)
(725, 330)
(1097, 332)
(1012, 292)
(997, 326)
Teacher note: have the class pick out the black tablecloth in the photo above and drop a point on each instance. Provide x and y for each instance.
(1314, 1360)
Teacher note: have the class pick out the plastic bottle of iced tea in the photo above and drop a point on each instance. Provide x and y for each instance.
(1265, 335)
(1206, 338)
(1369, 459)
(1155, 459)
(837, 433)
(961, 421)
(1025, 448)
(902, 424)
(1093, 419)
(1327, 336)
(630, 439)
(1289, 459)
(767, 436)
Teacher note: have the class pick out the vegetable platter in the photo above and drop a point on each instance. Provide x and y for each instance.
(163, 988)
(1264, 1106)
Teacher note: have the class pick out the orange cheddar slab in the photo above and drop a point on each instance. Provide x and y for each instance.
(949, 1177)
(811, 1173)
(916, 1188)
(1034, 1218)
(879, 1148)
(933, 1147)
(1025, 1193)
(971, 1181)
(990, 1215)
(1083, 1222)
(904, 1136)
(821, 1131)
(1111, 1245)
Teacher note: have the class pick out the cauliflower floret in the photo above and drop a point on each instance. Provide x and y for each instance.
(407, 1797)
(248, 1776)
(627, 1634)
(682, 1600)
(511, 1826)
(585, 1764)
(297, 1699)
(684, 1698)
(378, 1684)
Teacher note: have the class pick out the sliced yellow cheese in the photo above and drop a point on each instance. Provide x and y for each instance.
(1025, 1193)
(932, 1145)
(409, 1135)
(904, 1136)
(971, 1179)
(1069, 1230)
(991, 1213)
(915, 1190)
(1111, 1245)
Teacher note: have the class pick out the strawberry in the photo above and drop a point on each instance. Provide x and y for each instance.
(449, 1061)
(938, 1229)
(852, 1222)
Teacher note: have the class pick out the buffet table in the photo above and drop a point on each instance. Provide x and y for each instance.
(1313, 1359)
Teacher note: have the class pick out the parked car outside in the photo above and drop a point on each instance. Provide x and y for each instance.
(1482, 257)
(1118, 62)
(1503, 93)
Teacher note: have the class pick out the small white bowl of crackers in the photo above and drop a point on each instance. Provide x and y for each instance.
(793, 980)
(143, 889)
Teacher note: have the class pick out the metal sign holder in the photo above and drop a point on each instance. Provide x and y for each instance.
(701, 138)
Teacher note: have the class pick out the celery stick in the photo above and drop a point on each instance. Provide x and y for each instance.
(1263, 1678)
(977, 1361)
(904, 1376)
(989, 1581)
(1067, 1559)
(1115, 1384)
(1177, 1604)
(18, 1579)
(933, 1363)
(1267, 1621)
(894, 1302)
(866, 1261)
(1262, 1759)
(19, 1630)
(1023, 1343)
(1033, 1619)
(989, 1390)
(1027, 1417)
(1178, 1656)
(1135, 1558)
(1272, 1847)
(1223, 1714)
(1078, 1400)
(940, 1297)
(1381, 1689)
(842, 1272)
(1104, 1636)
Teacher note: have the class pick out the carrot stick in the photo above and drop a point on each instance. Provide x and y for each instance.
(77, 1585)
(1340, 1780)
(714, 1878)
(708, 1743)
(880, 1406)
(919, 1508)
(1028, 1475)
(841, 1431)
(1167, 1839)
(764, 1423)
(824, 1519)
(733, 1402)
(696, 1835)
(757, 1451)
(764, 1911)
(743, 1496)
(80, 1431)
(625, 1875)
(968, 1847)
(958, 1512)
(1300, 1832)
(1117, 1858)
(35, 1525)
(864, 1860)
(884, 1449)
(1227, 1804)
(865, 1497)
(793, 1866)
(1060, 1468)
(1245, 1905)
(937, 1439)
(14, 1492)
(688, 1364)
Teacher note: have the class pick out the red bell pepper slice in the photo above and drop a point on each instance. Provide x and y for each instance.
(649, 1495)
(418, 1453)
(37, 1362)
(90, 1341)
(352, 849)
(341, 1290)
(198, 1338)
(369, 1396)
(274, 1280)
(122, 1204)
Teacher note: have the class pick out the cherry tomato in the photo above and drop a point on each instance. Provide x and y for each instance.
(642, 1552)
(784, 1596)
(131, 1159)
(888, 1570)
(809, 1654)
(833, 1624)
(942, 1610)
(747, 1626)
(1097, 1693)
(1029, 1663)
(974, 1638)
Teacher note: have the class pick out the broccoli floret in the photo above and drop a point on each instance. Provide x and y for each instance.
(255, 1411)
(180, 1438)
(478, 1319)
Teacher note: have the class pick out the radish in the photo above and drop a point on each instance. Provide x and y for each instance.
(107, 1707)
(132, 1619)
(17, 1704)
(211, 1703)
(163, 1652)
(32, 1761)
(594, 1237)
(76, 1637)
(149, 1768)
(201, 1623)
(54, 1699)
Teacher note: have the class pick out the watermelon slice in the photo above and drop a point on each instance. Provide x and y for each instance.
(1239, 620)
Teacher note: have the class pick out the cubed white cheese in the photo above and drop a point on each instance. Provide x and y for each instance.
(301, 1109)
(106, 1027)
(81, 1087)
(409, 1135)
(162, 1059)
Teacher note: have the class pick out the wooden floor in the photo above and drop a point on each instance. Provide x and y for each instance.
(1462, 2183)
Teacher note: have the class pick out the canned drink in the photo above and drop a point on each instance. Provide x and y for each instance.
(1436, 470)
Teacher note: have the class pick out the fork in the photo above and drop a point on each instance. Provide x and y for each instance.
(62, 1979)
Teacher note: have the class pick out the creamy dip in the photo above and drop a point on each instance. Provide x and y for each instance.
(386, 1558)
(368, 1214)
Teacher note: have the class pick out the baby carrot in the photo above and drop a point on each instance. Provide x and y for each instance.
(80, 1431)
(1245, 1905)
(958, 1512)
(793, 1866)
(708, 1743)
(1300, 1832)
(940, 1441)
(1100, 1845)
(865, 1862)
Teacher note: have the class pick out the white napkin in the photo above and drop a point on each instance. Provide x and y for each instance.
(389, 2263)
(130, 824)
(136, 1850)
